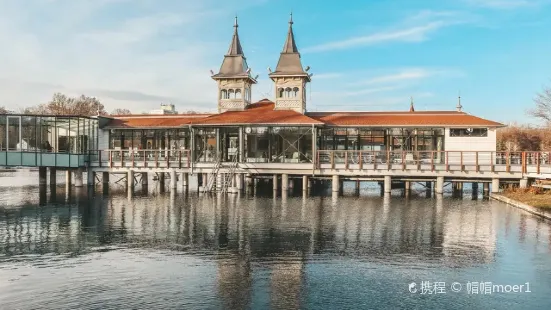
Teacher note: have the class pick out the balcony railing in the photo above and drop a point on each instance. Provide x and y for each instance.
(141, 158)
(524, 162)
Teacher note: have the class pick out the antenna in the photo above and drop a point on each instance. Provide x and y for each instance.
(248, 70)
(256, 77)
(269, 69)
(307, 68)
(211, 72)
(459, 106)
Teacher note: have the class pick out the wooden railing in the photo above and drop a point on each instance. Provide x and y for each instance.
(436, 160)
(142, 158)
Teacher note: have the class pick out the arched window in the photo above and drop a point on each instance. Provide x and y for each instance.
(280, 92)
(231, 94)
(288, 92)
(238, 94)
(224, 94)
(295, 92)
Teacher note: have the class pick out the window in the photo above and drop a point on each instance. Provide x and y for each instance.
(231, 94)
(295, 92)
(468, 132)
(224, 94)
(280, 92)
(238, 94)
(288, 92)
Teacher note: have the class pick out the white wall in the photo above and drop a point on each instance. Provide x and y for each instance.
(483, 145)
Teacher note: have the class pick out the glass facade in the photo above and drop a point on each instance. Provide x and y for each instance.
(149, 139)
(278, 144)
(52, 134)
(377, 139)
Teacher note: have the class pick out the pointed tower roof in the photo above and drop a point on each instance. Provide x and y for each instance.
(411, 107)
(289, 60)
(235, 63)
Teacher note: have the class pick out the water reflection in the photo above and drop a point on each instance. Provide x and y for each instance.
(274, 239)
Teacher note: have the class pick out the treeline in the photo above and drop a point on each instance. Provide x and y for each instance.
(516, 138)
(61, 104)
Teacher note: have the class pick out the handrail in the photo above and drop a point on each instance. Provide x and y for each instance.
(478, 161)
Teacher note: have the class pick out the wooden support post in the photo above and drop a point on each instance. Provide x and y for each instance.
(495, 185)
(53, 176)
(284, 182)
(476, 162)
(305, 183)
(274, 182)
(42, 172)
(439, 185)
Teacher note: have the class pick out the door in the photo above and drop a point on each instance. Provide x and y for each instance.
(13, 129)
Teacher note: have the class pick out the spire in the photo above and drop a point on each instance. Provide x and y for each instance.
(411, 107)
(235, 46)
(290, 45)
(459, 106)
(289, 61)
(235, 63)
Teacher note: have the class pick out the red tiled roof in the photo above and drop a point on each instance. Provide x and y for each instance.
(153, 121)
(263, 112)
(259, 113)
(383, 119)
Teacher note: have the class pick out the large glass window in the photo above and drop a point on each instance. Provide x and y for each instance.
(468, 132)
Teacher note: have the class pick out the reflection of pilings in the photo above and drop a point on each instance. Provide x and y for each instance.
(286, 285)
(173, 179)
(42, 193)
(234, 283)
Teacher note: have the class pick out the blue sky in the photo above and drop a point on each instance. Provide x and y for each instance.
(365, 55)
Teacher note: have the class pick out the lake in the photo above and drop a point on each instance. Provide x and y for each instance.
(178, 250)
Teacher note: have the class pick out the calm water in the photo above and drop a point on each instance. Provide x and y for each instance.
(177, 251)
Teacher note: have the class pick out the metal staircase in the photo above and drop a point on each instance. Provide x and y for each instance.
(226, 182)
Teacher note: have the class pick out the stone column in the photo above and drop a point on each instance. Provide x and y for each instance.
(495, 185)
(388, 184)
(274, 182)
(42, 172)
(68, 177)
(439, 185)
(335, 183)
(185, 179)
(104, 178)
(284, 182)
(407, 188)
(53, 176)
(173, 179)
(486, 189)
(524, 183)
(79, 177)
(305, 183)
(130, 179)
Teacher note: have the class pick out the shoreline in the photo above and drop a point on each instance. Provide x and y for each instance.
(546, 214)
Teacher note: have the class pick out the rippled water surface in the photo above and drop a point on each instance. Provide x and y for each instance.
(82, 250)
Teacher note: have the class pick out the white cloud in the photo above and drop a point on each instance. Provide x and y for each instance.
(129, 54)
(411, 34)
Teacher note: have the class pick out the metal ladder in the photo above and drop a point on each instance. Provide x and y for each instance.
(228, 177)
(213, 176)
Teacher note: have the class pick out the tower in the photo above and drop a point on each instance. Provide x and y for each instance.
(234, 78)
(289, 77)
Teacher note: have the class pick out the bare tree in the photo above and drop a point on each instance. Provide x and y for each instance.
(64, 105)
(3, 110)
(543, 106)
(121, 112)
